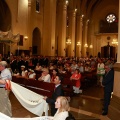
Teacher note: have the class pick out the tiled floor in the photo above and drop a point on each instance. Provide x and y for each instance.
(86, 106)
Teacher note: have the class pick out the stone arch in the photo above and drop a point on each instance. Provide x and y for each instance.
(36, 42)
(5, 16)
(5, 24)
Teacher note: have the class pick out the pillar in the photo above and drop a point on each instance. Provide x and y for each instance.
(79, 35)
(28, 24)
(61, 23)
(49, 24)
(72, 26)
(114, 107)
(85, 38)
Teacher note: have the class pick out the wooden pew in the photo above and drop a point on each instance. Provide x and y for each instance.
(42, 88)
(18, 80)
(67, 86)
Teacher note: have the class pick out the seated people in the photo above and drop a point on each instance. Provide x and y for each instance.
(73, 66)
(54, 73)
(38, 67)
(45, 75)
(61, 69)
(76, 76)
(51, 67)
(31, 74)
(87, 68)
(24, 72)
(67, 67)
(16, 73)
(80, 67)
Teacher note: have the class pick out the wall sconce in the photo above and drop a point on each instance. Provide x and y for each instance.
(25, 37)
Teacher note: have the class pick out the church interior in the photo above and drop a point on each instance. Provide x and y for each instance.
(68, 29)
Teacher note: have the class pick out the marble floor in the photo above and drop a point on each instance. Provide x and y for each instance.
(85, 106)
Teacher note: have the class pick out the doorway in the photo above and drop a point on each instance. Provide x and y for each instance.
(36, 42)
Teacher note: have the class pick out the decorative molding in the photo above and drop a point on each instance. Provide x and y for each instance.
(114, 108)
(29, 3)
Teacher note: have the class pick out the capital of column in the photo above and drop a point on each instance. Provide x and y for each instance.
(64, 7)
(73, 12)
(81, 19)
(87, 22)
(63, 4)
(29, 3)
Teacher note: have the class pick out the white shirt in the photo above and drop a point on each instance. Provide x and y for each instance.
(60, 116)
(5, 74)
(23, 73)
(100, 65)
(32, 75)
(38, 68)
(47, 78)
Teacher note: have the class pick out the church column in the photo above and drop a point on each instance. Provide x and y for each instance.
(114, 107)
(49, 23)
(62, 20)
(28, 26)
(85, 44)
(79, 35)
(72, 18)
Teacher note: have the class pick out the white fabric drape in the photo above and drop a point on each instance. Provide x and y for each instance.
(30, 100)
(4, 117)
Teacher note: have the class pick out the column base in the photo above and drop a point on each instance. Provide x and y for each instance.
(114, 108)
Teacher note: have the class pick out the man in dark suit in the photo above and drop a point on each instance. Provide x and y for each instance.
(57, 92)
(107, 82)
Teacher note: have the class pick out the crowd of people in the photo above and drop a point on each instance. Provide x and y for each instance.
(50, 72)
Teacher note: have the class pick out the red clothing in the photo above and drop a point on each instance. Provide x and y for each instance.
(53, 77)
(78, 84)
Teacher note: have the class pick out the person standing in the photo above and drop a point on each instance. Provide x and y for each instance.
(107, 82)
(5, 105)
(57, 92)
(100, 72)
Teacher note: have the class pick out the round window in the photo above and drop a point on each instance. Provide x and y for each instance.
(111, 18)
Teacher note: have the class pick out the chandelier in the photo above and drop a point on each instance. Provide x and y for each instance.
(115, 42)
(68, 41)
(86, 45)
(91, 46)
(78, 43)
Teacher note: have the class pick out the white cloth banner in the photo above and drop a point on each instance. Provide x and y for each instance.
(30, 100)
(5, 117)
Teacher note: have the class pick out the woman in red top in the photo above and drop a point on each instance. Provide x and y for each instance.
(76, 76)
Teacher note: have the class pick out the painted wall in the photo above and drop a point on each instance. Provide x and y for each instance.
(24, 20)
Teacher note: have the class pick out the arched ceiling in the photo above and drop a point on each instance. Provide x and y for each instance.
(88, 7)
